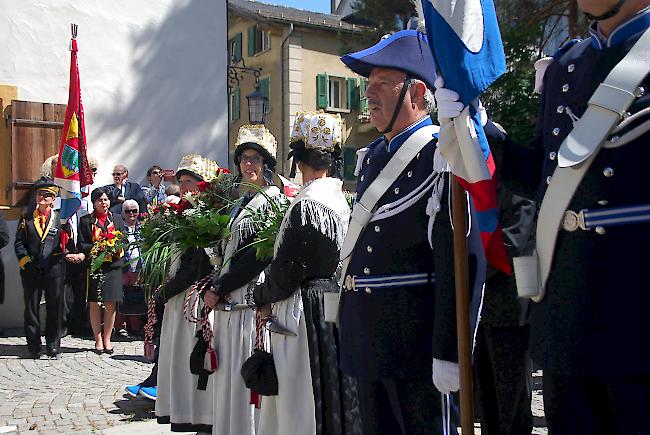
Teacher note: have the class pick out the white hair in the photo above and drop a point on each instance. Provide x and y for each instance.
(47, 169)
(429, 102)
(130, 203)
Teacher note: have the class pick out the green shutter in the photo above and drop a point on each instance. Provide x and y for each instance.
(362, 96)
(237, 53)
(236, 105)
(349, 162)
(353, 94)
(251, 40)
(265, 88)
(322, 96)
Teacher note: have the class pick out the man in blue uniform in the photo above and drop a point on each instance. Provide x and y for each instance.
(397, 306)
(597, 375)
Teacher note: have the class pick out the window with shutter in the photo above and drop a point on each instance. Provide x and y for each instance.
(322, 91)
(353, 94)
(35, 135)
(265, 88)
(258, 40)
(363, 103)
(234, 49)
(251, 40)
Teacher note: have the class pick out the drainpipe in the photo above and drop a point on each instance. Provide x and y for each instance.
(282, 92)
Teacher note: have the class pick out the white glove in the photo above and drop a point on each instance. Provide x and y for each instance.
(446, 100)
(449, 106)
(540, 70)
(446, 376)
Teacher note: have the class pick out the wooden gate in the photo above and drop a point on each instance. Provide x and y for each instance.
(35, 135)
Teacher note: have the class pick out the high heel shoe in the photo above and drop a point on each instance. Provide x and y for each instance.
(109, 351)
(98, 351)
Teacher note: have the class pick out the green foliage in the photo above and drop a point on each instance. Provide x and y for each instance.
(380, 17)
(510, 101)
(98, 261)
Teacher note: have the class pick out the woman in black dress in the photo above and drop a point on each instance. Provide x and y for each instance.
(314, 397)
(109, 292)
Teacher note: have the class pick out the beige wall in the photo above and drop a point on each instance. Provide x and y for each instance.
(269, 61)
(323, 57)
(314, 52)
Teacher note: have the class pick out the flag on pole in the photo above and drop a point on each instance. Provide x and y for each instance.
(466, 44)
(72, 171)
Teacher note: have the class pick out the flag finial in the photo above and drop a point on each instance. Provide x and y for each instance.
(74, 28)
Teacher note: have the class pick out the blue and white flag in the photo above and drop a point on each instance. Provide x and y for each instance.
(466, 44)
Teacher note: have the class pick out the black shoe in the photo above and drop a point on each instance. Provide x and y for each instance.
(109, 351)
(35, 354)
(52, 352)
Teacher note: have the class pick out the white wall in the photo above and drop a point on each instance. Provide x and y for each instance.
(153, 81)
(153, 73)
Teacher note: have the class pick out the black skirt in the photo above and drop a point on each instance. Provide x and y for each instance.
(336, 397)
(111, 289)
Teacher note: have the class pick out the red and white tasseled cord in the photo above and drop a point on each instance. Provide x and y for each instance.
(199, 287)
(149, 348)
(211, 361)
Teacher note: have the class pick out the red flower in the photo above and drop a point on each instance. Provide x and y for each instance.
(109, 236)
(224, 170)
(203, 186)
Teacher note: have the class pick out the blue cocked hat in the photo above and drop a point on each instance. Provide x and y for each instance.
(406, 50)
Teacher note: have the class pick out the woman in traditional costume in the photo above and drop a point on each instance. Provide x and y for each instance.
(101, 224)
(182, 398)
(313, 395)
(234, 320)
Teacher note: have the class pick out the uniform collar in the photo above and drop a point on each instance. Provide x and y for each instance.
(397, 141)
(632, 27)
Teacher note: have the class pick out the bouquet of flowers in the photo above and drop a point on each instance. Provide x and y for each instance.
(107, 247)
(199, 220)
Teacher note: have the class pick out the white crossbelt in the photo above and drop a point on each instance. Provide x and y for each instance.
(363, 210)
(606, 107)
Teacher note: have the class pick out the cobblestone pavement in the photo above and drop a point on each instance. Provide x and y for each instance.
(80, 392)
(84, 393)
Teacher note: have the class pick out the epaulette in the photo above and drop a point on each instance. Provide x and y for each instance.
(565, 48)
(374, 143)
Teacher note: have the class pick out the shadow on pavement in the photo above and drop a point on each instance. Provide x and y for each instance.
(138, 358)
(135, 408)
(20, 350)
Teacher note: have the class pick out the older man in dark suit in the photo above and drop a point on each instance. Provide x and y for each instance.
(122, 189)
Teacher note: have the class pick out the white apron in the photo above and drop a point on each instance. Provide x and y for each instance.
(234, 335)
(293, 410)
(177, 395)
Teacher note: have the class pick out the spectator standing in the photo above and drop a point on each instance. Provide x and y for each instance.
(108, 293)
(122, 189)
(133, 305)
(155, 191)
(38, 249)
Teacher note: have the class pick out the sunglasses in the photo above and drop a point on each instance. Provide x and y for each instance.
(131, 210)
(251, 159)
(117, 174)
(156, 173)
(93, 170)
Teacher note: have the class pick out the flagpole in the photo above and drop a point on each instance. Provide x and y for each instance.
(464, 335)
